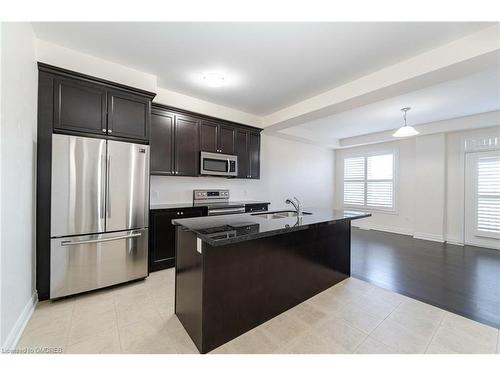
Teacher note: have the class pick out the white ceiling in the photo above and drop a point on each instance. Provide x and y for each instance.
(469, 95)
(274, 65)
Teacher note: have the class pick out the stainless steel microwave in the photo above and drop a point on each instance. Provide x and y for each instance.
(214, 164)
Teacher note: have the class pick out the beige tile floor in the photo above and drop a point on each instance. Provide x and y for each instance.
(351, 317)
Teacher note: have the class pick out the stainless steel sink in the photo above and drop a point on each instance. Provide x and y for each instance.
(280, 214)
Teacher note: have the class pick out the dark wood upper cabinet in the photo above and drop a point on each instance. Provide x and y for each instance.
(187, 148)
(90, 106)
(254, 154)
(227, 135)
(242, 153)
(162, 142)
(209, 136)
(248, 151)
(193, 133)
(216, 137)
(79, 106)
(128, 115)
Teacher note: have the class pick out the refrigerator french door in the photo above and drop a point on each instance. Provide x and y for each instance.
(99, 213)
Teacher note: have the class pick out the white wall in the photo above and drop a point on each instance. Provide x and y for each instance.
(62, 57)
(177, 100)
(18, 152)
(288, 169)
(429, 185)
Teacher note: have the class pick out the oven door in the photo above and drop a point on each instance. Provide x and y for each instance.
(218, 164)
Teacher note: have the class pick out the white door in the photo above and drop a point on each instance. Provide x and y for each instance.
(482, 199)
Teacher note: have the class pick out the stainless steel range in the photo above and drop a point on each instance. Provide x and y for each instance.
(217, 201)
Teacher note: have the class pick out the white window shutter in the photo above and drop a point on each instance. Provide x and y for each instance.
(488, 196)
(354, 184)
(369, 181)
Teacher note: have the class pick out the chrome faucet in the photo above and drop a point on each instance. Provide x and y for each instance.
(296, 205)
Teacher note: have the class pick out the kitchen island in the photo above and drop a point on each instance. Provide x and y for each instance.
(234, 272)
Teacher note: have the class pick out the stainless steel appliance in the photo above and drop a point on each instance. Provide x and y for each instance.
(217, 202)
(218, 164)
(99, 216)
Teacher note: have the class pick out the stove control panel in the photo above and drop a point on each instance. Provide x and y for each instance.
(203, 195)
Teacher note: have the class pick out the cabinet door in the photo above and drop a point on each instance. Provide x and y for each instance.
(128, 115)
(242, 153)
(162, 240)
(209, 134)
(187, 149)
(227, 139)
(162, 236)
(79, 106)
(254, 154)
(162, 142)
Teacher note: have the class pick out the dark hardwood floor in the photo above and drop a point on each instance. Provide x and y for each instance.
(464, 280)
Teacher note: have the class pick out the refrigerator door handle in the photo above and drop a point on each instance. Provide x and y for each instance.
(102, 195)
(108, 188)
(71, 243)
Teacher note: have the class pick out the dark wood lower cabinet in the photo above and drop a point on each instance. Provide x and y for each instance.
(224, 291)
(162, 235)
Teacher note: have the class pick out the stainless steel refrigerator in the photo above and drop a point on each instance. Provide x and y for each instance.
(99, 216)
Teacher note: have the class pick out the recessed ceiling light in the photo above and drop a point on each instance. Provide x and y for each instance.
(214, 79)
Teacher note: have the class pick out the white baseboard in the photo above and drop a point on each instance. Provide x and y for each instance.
(16, 331)
(428, 237)
(406, 232)
(452, 240)
(384, 229)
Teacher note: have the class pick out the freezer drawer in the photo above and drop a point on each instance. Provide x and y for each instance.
(127, 194)
(82, 263)
(78, 185)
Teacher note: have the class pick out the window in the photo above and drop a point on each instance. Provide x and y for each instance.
(369, 182)
(488, 196)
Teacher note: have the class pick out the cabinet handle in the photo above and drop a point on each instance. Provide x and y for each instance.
(110, 131)
(104, 130)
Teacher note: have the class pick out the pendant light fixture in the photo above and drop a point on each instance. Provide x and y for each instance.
(406, 130)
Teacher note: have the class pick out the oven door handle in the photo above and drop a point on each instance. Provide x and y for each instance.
(226, 211)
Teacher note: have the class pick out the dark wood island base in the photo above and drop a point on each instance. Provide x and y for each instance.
(223, 291)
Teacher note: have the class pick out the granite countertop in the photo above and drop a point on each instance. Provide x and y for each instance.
(226, 229)
(169, 206)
